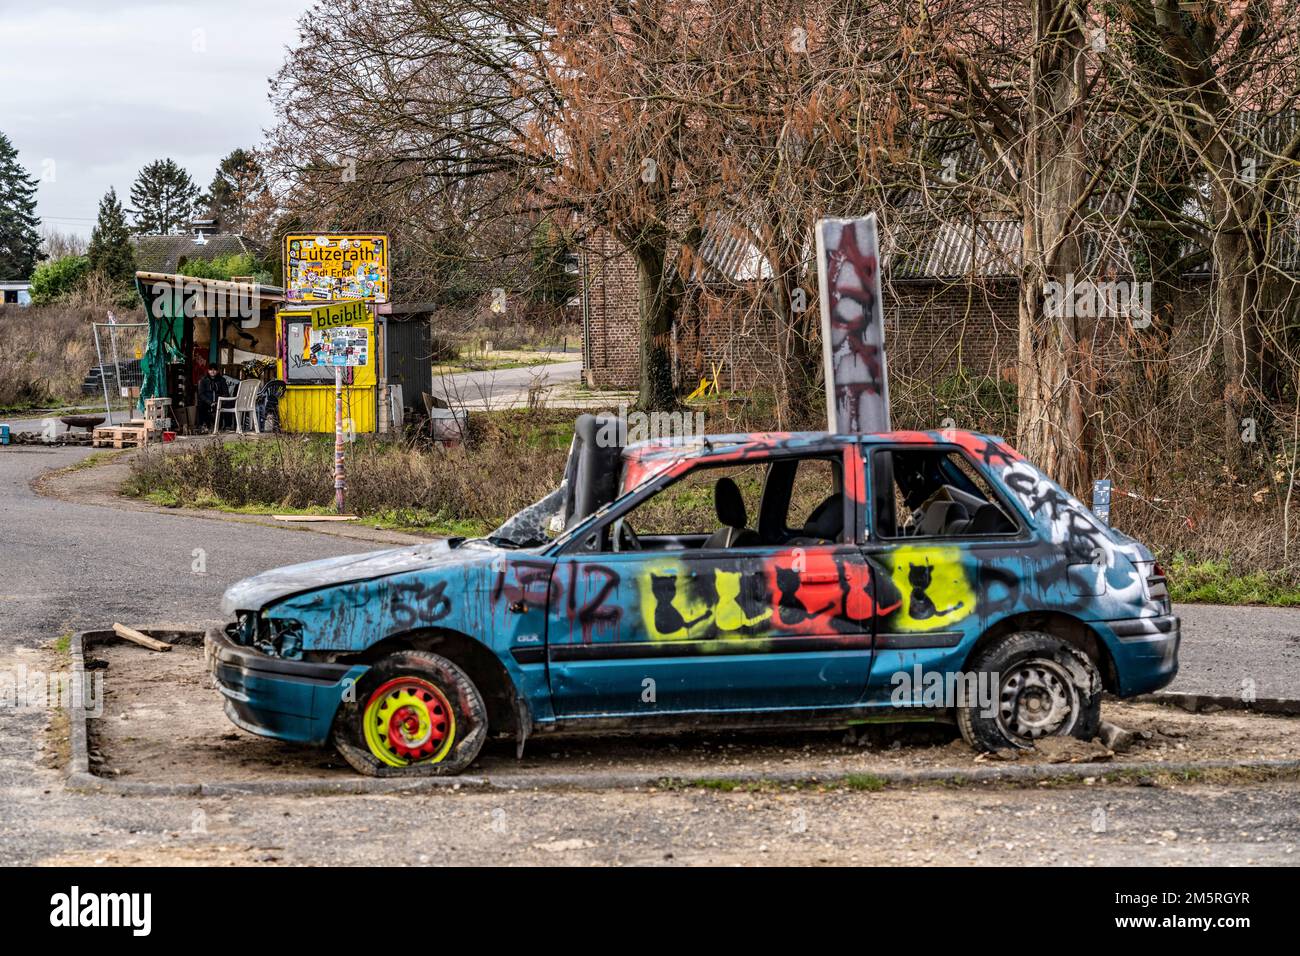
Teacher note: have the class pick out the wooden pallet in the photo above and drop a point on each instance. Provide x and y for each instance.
(120, 436)
(157, 411)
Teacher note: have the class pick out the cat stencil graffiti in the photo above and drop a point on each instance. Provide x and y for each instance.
(935, 586)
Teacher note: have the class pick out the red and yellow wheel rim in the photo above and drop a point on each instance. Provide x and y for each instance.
(409, 720)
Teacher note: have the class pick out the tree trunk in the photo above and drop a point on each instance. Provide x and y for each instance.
(1234, 293)
(657, 307)
(798, 360)
(1235, 309)
(1236, 245)
(1055, 368)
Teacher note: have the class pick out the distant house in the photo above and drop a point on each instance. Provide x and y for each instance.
(15, 293)
(169, 254)
(951, 286)
(952, 303)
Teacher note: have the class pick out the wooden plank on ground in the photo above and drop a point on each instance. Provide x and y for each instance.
(314, 517)
(120, 436)
(144, 640)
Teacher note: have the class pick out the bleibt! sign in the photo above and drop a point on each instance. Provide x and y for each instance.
(339, 314)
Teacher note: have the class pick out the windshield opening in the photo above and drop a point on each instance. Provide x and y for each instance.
(535, 525)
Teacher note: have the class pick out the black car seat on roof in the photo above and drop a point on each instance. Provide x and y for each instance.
(730, 507)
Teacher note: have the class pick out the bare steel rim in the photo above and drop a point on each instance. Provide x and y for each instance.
(1037, 699)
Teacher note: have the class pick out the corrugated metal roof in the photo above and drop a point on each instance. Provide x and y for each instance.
(943, 250)
(728, 253)
(255, 289)
(921, 240)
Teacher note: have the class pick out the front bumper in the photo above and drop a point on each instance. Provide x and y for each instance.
(1145, 651)
(288, 700)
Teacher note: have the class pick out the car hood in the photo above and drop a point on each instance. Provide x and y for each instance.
(255, 593)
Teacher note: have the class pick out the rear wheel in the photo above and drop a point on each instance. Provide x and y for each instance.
(415, 714)
(1043, 687)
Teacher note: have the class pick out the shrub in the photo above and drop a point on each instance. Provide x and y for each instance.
(226, 267)
(57, 279)
(445, 490)
(46, 351)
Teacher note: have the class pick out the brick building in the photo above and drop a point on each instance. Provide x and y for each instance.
(952, 304)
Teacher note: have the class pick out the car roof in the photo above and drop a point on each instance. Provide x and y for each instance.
(740, 444)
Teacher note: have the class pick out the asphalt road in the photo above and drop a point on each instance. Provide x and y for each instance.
(482, 389)
(67, 566)
(492, 388)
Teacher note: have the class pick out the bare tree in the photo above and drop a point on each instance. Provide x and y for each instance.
(1227, 92)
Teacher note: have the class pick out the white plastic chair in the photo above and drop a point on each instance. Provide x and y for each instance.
(243, 402)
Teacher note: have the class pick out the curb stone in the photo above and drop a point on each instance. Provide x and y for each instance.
(80, 778)
(1209, 703)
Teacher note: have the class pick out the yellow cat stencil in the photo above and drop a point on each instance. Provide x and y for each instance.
(935, 590)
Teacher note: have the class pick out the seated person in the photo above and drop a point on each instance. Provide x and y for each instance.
(211, 387)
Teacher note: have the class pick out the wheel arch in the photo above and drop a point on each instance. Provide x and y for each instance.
(476, 659)
(1061, 625)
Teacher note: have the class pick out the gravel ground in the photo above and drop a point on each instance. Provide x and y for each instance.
(1085, 825)
(162, 723)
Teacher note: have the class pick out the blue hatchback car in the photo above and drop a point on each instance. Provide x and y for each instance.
(793, 579)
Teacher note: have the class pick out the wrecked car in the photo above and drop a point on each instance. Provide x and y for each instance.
(794, 579)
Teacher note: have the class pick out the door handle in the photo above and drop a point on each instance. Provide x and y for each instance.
(518, 607)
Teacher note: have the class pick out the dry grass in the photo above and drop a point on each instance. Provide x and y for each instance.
(467, 329)
(46, 351)
(467, 490)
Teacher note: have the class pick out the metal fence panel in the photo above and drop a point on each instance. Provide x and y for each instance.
(118, 349)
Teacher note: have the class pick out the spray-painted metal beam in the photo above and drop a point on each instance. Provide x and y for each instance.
(853, 326)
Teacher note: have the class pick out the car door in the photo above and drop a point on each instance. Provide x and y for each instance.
(955, 573)
(681, 626)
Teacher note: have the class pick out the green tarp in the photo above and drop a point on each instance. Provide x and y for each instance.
(166, 332)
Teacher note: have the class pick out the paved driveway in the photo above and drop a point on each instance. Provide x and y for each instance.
(496, 389)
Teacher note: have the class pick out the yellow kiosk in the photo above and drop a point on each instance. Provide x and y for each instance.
(350, 271)
(308, 402)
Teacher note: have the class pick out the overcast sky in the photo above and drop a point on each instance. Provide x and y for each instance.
(91, 90)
